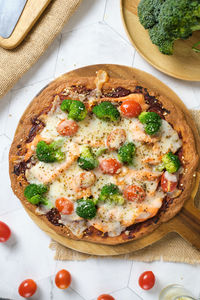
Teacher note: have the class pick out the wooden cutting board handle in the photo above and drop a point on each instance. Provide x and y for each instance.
(187, 222)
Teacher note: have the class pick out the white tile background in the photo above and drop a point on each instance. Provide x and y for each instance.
(94, 35)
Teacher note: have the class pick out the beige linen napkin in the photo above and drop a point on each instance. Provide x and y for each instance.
(170, 248)
(14, 63)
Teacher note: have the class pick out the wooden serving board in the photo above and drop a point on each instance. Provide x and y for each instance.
(183, 64)
(31, 13)
(186, 223)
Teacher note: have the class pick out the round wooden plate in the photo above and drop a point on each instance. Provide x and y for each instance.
(183, 64)
(187, 227)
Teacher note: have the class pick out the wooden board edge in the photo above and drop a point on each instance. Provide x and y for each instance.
(157, 234)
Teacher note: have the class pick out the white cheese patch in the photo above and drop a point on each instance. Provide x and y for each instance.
(49, 132)
(170, 140)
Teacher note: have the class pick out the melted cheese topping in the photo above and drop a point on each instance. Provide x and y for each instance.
(110, 218)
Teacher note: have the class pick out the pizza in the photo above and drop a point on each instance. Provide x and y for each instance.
(102, 159)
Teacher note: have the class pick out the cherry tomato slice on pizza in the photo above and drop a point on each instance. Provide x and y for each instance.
(168, 182)
(134, 193)
(110, 166)
(130, 108)
(64, 206)
(67, 127)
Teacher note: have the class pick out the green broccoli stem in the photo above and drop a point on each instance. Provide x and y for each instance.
(196, 27)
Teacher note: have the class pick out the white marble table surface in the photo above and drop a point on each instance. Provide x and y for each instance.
(94, 35)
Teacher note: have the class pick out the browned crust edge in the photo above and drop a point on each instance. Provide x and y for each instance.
(176, 117)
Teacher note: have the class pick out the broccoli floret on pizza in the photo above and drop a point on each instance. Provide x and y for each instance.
(126, 153)
(49, 153)
(106, 111)
(86, 209)
(87, 159)
(111, 193)
(76, 109)
(171, 162)
(65, 105)
(34, 193)
(151, 122)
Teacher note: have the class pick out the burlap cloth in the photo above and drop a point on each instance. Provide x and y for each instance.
(14, 63)
(170, 248)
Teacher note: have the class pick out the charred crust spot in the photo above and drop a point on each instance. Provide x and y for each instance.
(36, 126)
(54, 216)
(167, 201)
(92, 231)
(105, 235)
(63, 97)
(180, 134)
(139, 89)
(180, 184)
(21, 167)
(80, 89)
(155, 105)
(134, 228)
(117, 93)
(180, 153)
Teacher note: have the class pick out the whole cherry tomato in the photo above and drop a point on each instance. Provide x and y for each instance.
(105, 297)
(64, 206)
(130, 108)
(4, 232)
(147, 280)
(110, 166)
(67, 127)
(27, 288)
(63, 279)
(168, 182)
(134, 193)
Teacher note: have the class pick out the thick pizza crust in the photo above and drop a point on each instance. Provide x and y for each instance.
(42, 102)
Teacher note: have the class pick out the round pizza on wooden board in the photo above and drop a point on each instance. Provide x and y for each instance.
(103, 155)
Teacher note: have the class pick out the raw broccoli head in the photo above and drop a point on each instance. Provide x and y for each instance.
(34, 193)
(171, 162)
(86, 209)
(76, 109)
(49, 153)
(106, 111)
(87, 160)
(172, 20)
(111, 193)
(151, 121)
(126, 153)
(158, 37)
(148, 11)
